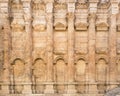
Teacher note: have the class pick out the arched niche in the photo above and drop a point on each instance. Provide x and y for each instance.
(60, 71)
(102, 26)
(60, 26)
(18, 75)
(101, 70)
(101, 74)
(118, 69)
(39, 75)
(80, 74)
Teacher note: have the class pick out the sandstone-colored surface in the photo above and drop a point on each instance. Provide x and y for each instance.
(59, 47)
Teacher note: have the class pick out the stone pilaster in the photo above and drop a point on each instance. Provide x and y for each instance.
(71, 33)
(91, 46)
(28, 30)
(91, 54)
(112, 44)
(7, 48)
(49, 16)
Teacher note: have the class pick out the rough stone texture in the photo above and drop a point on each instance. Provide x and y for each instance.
(59, 47)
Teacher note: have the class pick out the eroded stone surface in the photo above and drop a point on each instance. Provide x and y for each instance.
(59, 47)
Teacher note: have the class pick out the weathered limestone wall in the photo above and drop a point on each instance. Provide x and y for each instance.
(59, 47)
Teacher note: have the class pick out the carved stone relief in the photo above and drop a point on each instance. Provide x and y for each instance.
(102, 18)
(102, 23)
(60, 30)
(17, 26)
(39, 19)
(17, 23)
(81, 22)
(60, 12)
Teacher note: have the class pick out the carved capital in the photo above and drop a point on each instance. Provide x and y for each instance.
(39, 27)
(60, 24)
(81, 26)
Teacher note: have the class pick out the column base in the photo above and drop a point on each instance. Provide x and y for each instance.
(49, 89)
(71, 89)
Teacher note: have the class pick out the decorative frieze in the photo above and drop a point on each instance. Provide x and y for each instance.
(18, 23)
(39, 19)
(102, 23)
(81, 20)
(60, 12)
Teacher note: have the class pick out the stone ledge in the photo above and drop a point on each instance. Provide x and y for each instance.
(53, 95)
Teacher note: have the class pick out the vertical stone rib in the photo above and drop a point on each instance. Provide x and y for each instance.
(50, 46)
(71, 33)
(71, 47)
(91, 47)
(49, 9)
(29, 46)
(112, 48)
(6, 74)
(91, 53)
(112, 42)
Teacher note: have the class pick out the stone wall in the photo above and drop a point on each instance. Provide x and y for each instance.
(59, 47)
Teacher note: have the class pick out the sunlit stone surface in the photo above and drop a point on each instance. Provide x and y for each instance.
(59, 48)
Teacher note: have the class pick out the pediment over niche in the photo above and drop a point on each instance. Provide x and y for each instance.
(101, 50)
(60, 25)
(39, 27)
(81, 26)
(102, 26)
